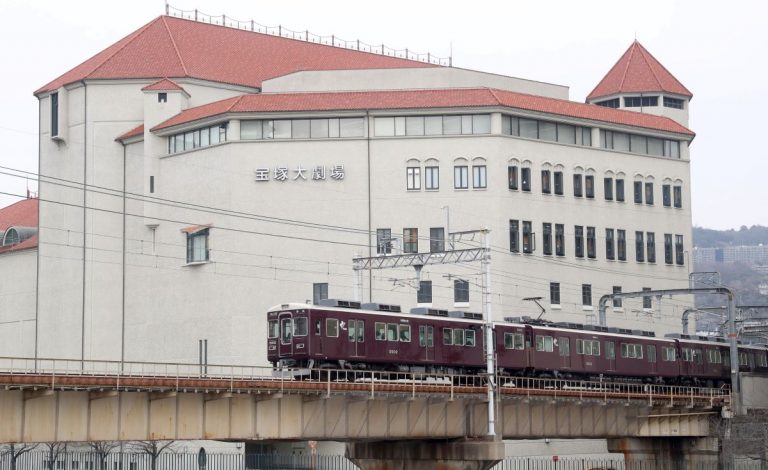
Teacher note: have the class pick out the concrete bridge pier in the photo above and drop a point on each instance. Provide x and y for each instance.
(462, 454)
(667, 453)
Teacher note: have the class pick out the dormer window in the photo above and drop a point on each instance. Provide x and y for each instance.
(162, 97)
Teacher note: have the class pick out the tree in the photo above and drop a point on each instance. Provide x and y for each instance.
(102, 449)
(14, 451)
(153, 449)
(54, 451)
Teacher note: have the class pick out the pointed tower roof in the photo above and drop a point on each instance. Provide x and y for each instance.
(637, 71)
(169, 47)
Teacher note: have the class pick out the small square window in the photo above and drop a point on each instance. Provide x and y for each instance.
(162, 97)
(197, 247)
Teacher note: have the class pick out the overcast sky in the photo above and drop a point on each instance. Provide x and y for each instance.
(717, 50)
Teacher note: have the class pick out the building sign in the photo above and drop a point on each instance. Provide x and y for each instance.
(315, 173)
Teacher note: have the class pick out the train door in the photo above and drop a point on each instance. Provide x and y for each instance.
(356, 335)
(427, 341)
(610, 355)
(651, 353)
(286, 334)
(564, 345)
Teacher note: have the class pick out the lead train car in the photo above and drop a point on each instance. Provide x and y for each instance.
(310, 336)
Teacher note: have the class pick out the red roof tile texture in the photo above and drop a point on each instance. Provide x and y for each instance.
(20, 214)
(637, 71)
(164, 84)
(421, 99)
(175, 48)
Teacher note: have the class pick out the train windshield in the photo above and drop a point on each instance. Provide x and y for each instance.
(272, 329)
(286, 329)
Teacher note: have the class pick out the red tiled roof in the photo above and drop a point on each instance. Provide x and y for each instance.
(420, 99)
(193, 229)
(135, 132)
(165, 84)
(19, 214)
(637, 71)
(175, 47)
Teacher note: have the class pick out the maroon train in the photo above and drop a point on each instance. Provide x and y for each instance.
(380, 337)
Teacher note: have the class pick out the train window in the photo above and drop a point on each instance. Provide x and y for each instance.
(469, 337)
(300, 326)
(405, 333)
(422, 335)
(651, 353)
(743, 359)
(668, 354)
(714, 356)
(513, 341)
(360, 331)
(391, 331)
(588, 347)
(762, 360)
(610, 350)
(564, 344)
(317, 327)
(458, 337)
(286, 327)
(272, 329)
(331, 327)
(727, 358)
(380, 329)
(447, 336)
(698, 357)
(685, 355)
(632, 351)
(352, 331)
(544, 343)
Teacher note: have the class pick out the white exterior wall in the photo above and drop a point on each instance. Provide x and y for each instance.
(18, 271)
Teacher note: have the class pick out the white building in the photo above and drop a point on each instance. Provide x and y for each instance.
(227, 171)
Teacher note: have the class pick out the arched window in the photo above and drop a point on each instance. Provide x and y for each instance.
(461, 173)
(11, 237)
(479, 173)
(431, 174)
(513, 174)
(413, 175)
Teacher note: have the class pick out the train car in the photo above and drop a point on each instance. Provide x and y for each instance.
(348, 337)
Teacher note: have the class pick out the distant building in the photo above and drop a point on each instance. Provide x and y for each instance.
(747, 254)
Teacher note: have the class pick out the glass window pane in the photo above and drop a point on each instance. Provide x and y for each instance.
(268, 130)
(188, 141)
(400, 125)
(248, 130)
(466, 124)
(300, 129)
(319, 128)
(282, 129)
(433, 125)
(451, 125)
(529, 128)
(333, 128)
(638, 144)
(655, 146)
(621, 141)
(547, 131)
(205, 136)
(352, 127)
(384, 126)
(566, 134)
(481, 124)
(414, 125)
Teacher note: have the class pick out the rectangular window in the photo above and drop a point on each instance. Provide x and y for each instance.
(639, 247)
(578, 233)
(272, 329)
(668, 354)
(460, 291)
(559, 183)
(391, 331)
(591, 243)
(560, 239)
(404, 333)
(608, 188)
(380, 331)
(351, 127)
(529, 128)
(621, 244)
(300, 128)
(514, 341)
(612, 103)
(668, 248)
(610, 350)
(547, 131)
(512, 174)
(436, 240)
(619, 190)
(410, 240)
(331, 327)
(413, 178)
(526, 179)
(610, 243)
(54, 114)
(481, 124)
(447, 337)
(479, 177)
(678, 196)
(424, 294)
(640, 101)
(564, 345)
(414, 125)
(431, 177)
(554, 293)
(460, 177)
(469, 338)
(433, 125)
(586, 295)
(672, 149)
(546, 181)
(197, 247)
(547, 238)
(679, 250)
(578, 190)
(544, 344)
(647, 299)
(638, 192)
(651, 350)
(318, 128)
(151, 184)
(566, 134)
(649, 193)
(458, 337)
(617, 303)
(673, 102)
(383, 241)
(319, 292)
(514, 236)
(666, 195)
(589, 186)
(650, 243)
(528, 244)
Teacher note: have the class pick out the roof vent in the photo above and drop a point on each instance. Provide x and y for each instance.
(462, 314)
(375, 306)
(339, 303)
(429, 311)
(624, 331)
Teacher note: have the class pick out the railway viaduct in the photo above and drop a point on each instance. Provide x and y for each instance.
(398, 418)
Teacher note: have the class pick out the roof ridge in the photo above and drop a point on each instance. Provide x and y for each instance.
(626, 65)
(175, 47)
(136, 34)
(648, 64)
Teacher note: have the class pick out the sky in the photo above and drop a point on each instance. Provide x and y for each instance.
(716, 50)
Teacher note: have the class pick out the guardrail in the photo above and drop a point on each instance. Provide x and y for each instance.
(68, 374)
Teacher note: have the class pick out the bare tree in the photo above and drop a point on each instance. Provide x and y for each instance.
(54, 451)
(153, 449)
(102, 449)
(14, 451)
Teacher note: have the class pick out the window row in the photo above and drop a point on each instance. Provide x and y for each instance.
(392, 332)
(461, 175)
(635, 143)
(302, 128)
(466, 124)
(460, 292)
(643, 101)
(410, 240)
(546, 130)
(586, 296)
(458, 337)
(197, 138)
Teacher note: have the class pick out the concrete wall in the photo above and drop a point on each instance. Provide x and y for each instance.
(753, 392)
(389, 79)
(18, 271)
